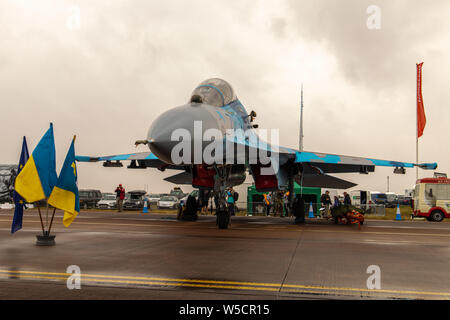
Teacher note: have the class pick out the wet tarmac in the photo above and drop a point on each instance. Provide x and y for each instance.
(132, 255)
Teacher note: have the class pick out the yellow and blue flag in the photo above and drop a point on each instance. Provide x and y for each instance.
(38, 177)
(65, 194)
(19, 202)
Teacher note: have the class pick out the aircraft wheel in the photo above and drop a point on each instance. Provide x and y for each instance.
(223, 219)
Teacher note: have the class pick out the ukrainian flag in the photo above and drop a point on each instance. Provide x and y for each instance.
(38, 177)
(65, 194)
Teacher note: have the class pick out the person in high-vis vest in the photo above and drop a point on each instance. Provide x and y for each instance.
(286, 204)
(268, 202)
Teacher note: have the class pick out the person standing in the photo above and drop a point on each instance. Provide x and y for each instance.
(336, 202)
(120, 195)
(268, 202)
(278, 203)
(286, 204)
(230, 201)
(326, 203)
(347, 200)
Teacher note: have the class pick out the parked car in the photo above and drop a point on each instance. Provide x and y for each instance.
(168, 202)
(391, 199)
(89, 198)
(153, 198)
(407, 201)
(108, 201)
(379, 198)
(135, 200)
(177, 192)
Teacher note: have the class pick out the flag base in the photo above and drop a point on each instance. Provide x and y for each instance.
(45, 240)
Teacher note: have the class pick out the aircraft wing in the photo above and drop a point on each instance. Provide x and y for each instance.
(316, 162)
(323, 181)
(332, 163)
(140, 160)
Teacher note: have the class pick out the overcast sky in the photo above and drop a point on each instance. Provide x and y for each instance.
(108, 72)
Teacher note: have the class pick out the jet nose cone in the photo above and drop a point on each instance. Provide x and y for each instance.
(185, 123)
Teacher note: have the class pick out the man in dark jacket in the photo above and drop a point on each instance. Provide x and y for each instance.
(347, 200)
(326, 203)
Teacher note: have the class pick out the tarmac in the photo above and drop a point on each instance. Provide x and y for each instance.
(132, 255)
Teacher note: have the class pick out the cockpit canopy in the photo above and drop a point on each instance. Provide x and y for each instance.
(215, 92)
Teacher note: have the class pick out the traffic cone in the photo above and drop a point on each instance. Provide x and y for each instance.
(311, 211)
(398, 216)
(145, 210)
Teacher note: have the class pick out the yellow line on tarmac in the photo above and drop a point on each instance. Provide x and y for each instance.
(158, 283)
(219, 284)
(145, 278)
(171, 284)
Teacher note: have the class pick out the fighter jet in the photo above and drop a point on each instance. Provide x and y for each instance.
(213, 141)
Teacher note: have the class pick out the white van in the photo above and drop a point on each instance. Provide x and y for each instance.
(360, 197)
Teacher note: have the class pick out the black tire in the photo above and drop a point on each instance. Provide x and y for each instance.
(437, 216)
(180, 213)
(223, 219)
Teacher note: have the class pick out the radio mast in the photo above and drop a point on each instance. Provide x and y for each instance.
(301, 123)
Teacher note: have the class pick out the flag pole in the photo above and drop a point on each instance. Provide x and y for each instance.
(417, 121)
(40, 217)
(417, 134)
(300, 145)
(51, 221)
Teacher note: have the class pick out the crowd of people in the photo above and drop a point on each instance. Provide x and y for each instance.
(326, 203)
(276, 202)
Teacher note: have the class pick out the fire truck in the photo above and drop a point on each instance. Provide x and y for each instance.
(432, 199)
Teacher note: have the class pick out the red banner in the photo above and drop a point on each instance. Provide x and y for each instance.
(421, 119)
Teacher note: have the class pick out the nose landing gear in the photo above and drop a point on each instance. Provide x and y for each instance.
(223, 219)
(223, 216)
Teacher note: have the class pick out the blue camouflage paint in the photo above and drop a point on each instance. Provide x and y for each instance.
(220, 115)
(122, 157)
(387, 163)
(118, 157)
(310, 157)
(428, 166)
(151, 156)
